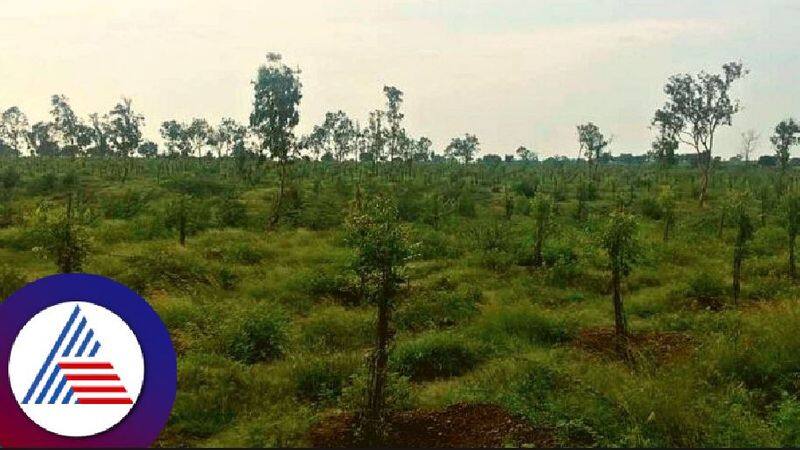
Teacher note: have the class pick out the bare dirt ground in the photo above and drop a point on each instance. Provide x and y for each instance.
(458, 426)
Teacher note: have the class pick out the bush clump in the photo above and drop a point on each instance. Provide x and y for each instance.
(260, 336)
(436, 355)
(11, 280)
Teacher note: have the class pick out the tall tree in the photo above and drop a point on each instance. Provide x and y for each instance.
(591, 142)
(125, 128)
(14, 129)
(228, 135)
(73, 135)
(666, 143)
(783, 138)
(376, 135)
(42, 141)
(697, 106)
(395, 135)
(526, 155)
(463, 148)
(199, 135)
(101, 131)
(749, 144)
(176, 138)
(275, 114)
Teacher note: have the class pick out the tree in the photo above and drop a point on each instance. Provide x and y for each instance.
(376, 135)
(148, 149)
(619, 242)
(125, 128)
(422, 149)
(275, 114)
(341, 133)
(749, 144)
(526, 155)
(229, 134)
(666, 143)
(41, 140)
(542, 216)
(176, 138)
(791, 221)
(198, 135)
(783, 138)
(99, 136)
(14, 129)
(740, 216)
(72, 134)
(394, 99)
(696, 107)
(382, 250)
(463, 148)
(591, 141)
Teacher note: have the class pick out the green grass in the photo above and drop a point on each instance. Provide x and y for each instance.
(272, 333)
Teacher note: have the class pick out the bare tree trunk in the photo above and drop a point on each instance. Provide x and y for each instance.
(538, 260)
(667, 224)
(276, 214)
(737, 274)
(703, 185)
(182, 223)
(621, 327)
(792, 269)
(377, 391)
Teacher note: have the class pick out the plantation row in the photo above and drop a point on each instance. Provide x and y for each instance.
(438, 272)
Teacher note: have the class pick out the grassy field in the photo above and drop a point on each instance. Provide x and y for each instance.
(272, 332)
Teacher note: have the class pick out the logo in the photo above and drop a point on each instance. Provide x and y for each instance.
(76, 369)
(88, 363)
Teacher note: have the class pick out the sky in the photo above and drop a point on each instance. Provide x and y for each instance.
(513, 72)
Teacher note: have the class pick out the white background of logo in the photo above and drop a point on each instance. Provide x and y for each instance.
(119, 347)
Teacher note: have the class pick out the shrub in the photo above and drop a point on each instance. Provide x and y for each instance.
(399, 395)
(335, 328)
(329, 282)
(211, 391)
(323, 379)
(123, 205)
(435, 355)
(11, 280)
(230, 212)
(707, 289)
(260, 336)
(650, 208)
(164, 267)
(526, 323)
(437, 309)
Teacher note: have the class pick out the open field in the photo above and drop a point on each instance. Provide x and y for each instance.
(273, 330)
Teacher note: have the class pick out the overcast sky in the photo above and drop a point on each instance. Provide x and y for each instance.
(514, 72)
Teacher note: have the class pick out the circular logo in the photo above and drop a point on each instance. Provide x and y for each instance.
(89, 363)
(72, 356)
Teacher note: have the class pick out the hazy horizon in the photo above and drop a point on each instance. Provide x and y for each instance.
(513, 72)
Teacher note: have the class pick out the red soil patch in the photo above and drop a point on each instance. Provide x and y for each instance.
(663, 346)
(458, 426)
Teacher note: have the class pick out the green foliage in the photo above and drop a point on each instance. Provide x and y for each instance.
(11, 280)
(437, 308)
(261, 335)
(436, 355)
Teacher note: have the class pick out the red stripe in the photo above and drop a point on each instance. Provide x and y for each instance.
(99, 389)
(92, 377)
(84, 366)
(105, 401)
